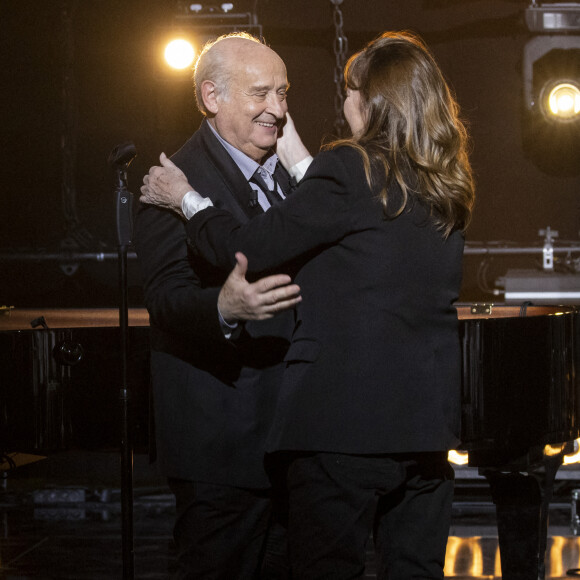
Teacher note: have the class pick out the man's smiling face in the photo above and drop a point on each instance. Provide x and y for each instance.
(252, 107)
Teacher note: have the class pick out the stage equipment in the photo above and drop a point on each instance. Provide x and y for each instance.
(551, 76)
(194, 25)
(544, 286)
(120, 159)
(556, 281)
(537, 287)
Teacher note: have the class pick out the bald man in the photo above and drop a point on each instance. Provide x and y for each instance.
(217, 353)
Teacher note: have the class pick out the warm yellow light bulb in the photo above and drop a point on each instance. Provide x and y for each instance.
(179, 54)
(564, 101)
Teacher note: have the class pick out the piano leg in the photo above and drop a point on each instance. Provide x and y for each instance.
(522, 501)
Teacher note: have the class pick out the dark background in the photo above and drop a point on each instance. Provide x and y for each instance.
(100, 84)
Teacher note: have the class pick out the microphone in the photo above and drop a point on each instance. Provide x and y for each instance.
(123, 154)
(253, 199)
(120, 158)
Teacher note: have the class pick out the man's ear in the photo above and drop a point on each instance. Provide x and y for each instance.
(209, 96)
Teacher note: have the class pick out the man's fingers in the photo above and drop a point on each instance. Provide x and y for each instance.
(289, 292)
(270, 310)
(276, 289)
(285, 304)
(240, 300)
(270, 282)
(242, 261)
(241, 266)
(165, 161)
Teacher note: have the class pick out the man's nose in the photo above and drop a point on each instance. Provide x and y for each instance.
(277, 106)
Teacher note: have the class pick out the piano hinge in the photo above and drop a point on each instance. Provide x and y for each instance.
(481, 308)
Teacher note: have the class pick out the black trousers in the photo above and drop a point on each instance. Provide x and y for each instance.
(227, 533)
(337, 501)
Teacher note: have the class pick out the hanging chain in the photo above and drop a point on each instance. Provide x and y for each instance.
(340, 52)
(70, 116)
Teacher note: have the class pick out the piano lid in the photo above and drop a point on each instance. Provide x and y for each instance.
(17, 319)
(520, 386)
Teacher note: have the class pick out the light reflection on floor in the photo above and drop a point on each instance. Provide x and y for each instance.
(47, 532)
(478, 557)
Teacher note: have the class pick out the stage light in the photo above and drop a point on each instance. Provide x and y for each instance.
(193, 26)
(551, 76)
(179, 53)
(177, 46)
(564, 101)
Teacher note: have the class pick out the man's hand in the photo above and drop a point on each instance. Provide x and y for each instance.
(165, 186)
(240, 300)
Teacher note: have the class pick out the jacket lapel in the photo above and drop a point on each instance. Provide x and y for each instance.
(226, 168)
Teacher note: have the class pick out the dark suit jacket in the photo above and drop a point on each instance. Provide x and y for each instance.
(374, 364)
(213, 398)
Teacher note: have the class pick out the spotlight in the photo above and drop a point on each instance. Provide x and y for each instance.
(563, 101)
(551, 76)
(194, 25)
(179, 53)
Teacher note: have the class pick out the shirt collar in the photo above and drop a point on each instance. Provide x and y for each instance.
(246, 164)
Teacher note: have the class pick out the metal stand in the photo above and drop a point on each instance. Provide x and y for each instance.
(120, 159)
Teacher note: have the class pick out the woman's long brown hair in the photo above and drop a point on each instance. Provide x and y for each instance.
(412, 129)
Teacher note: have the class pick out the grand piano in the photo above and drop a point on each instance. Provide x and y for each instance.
(520, 416)
(60, 379)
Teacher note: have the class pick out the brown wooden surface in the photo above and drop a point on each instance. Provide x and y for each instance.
(20, 319)
(466, 311)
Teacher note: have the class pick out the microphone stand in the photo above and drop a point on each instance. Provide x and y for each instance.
(120, 158)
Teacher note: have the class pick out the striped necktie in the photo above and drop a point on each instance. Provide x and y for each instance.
(271, 194)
